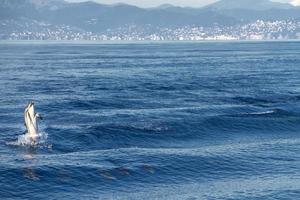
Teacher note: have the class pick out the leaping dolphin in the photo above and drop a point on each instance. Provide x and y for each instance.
(31, 124)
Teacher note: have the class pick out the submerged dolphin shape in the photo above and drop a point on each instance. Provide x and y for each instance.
(31, 119)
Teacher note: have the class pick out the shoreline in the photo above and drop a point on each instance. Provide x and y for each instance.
(138, 42)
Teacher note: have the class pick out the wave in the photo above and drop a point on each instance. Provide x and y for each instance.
(109, 158)
(274, 112)
(272, 99)
(256, 187)
(103, 130)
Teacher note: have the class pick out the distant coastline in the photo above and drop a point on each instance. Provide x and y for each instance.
(258, 30)
(60, 20)
(137, 41)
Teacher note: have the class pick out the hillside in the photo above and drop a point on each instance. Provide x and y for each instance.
(89, 18)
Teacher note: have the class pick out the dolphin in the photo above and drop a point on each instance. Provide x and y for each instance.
(31, 122)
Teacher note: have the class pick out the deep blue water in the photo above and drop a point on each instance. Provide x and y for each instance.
(152, 121)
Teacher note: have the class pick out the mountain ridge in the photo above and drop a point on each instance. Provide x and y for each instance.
(249, 4)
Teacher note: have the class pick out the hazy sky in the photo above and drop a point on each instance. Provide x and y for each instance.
(152, 3)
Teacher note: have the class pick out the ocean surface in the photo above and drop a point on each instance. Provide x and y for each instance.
(186, 121)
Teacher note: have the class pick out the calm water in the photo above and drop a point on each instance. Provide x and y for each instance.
(152, 121)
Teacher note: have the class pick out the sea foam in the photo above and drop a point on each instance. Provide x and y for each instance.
(26, 140)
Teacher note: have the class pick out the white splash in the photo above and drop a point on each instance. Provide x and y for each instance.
(26, 140)
(263, 113)
(295, 2)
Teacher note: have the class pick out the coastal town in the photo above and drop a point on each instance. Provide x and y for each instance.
(258, 30)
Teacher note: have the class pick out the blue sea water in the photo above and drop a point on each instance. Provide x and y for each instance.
(190, 121)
